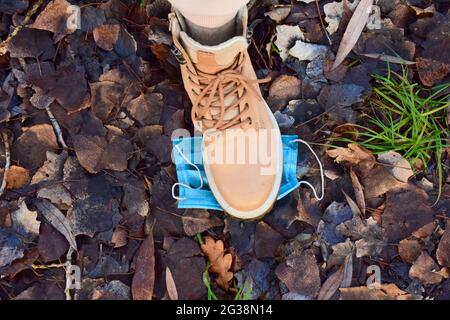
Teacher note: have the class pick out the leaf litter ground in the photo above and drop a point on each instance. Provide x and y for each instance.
(86, 118)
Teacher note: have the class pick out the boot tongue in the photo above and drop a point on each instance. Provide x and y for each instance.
(212, 59)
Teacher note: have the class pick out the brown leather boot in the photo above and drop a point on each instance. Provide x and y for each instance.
(242, 149)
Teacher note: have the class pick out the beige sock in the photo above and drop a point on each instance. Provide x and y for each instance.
(209, 13)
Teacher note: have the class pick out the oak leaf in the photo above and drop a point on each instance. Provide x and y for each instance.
(220, 262)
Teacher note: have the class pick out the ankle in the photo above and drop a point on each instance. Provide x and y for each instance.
(211, 36)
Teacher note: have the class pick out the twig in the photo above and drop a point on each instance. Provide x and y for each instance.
(323, 24)
(7, 161)
(56, 127)
(25, 21)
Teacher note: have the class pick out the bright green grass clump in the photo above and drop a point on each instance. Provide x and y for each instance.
(408, 118)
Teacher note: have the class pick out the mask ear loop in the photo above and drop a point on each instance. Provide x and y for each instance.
(183, 184)
(322, 178)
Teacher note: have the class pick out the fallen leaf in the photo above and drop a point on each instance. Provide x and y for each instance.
(94, 214)
(399, 167)
(337, 100)
(31, 43)
(278, 14)
(51, 243)
(30, 149)
(282, 90)
(377, 182)
(109, 265)
(409, 250)
(369, 236)
(443, 250)
(267, 241)
(335, 214)
(353, 31)
(340, 253)
(55, 85)
(199, 220)
(355, 156)
(113, 290)
(24, 263)
(401, 15)
(13, 6)
(388, 58)
(406, 211)
(11, 247)
(353, 205)
(119, 238)
(386, 292)
(359, 192)
(97, 152)
(432, 71)
(144, 274)
(425, 231)
(57, 220)
(425, 270)
(170, 285)
(106, 35)
(331, 285)
(300, 274)
(135, 200)
(147, 108)
(187, 268)
(155, 141)
(348, 272)
(52, 168)
(54, 19)
(25, 221)
(17, 177)
(220, 262)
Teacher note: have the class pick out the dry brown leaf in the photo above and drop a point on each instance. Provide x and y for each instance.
(199, 220)
(443, 250)
(25, 220)
(425, 270)
(331, 285)
(362, 160)
(348, 272)
(386, 292)
(119, 238)
(144, 275)
(352, 204)
(57, 219)
(342, 278)
(17, 177)
(105, 36)
(54, 19)
(353, 31)
(220, 262)
(388, 58)
(170, 285)
(409, 250)
(359, 192)
(398, 166)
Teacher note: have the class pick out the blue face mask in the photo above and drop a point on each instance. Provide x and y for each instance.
(193, 186)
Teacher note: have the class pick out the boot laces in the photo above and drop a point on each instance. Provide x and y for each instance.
(214, 91)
